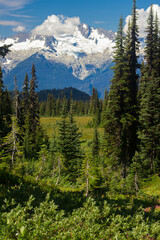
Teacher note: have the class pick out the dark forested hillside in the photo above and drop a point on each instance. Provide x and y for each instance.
(66, 92)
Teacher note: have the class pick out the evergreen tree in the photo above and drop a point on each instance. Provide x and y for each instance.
(95, 144)
(88, 173)
(18, 109)
(42, 108)
(149, 122)
(25, 97)
(135, 176)
(50, 105)
(105, 99)
(74, 153)
(96, 159)
(149, 133)
(150, 43)
(131, 49)
(95, 108)
(5, 102)
(69, 144)
(94, 102)
(33, 133)
(33, 101)
(116, 114)
(28, 145)
(156, 40)
(58, 108)
(12, 148)
(5, 110)
(4, 50)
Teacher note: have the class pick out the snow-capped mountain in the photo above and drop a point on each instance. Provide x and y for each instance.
(77, 59)
(67, 53)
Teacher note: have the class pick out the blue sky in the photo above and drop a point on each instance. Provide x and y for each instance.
(19, 15)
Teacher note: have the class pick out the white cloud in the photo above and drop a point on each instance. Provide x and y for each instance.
(19, 15)
(13, 9)
(9, 23)
(142, 19)
(19, 29)
(57, 26)
(14, 3)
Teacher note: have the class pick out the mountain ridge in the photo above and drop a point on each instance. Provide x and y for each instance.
(81, 60)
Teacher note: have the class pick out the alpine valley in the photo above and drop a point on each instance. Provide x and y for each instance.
(80, 60)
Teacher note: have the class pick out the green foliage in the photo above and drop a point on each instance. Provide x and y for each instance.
(69, 145)
(119, 118)
(135, 176)
(149, 119)
(89, 173)
(52, 104)
(5, 110)
(33, 102)
(4, 50)
(95, 144)
(87, 222)
(149, 133)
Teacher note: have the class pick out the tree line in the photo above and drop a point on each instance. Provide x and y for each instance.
(53, 106)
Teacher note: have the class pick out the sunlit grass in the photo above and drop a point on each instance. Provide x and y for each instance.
(153, 187)
(49, 124)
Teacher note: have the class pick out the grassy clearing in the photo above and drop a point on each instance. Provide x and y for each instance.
(49, 124)
(152, 187)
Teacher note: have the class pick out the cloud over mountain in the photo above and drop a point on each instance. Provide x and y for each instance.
(19, 29)
(142, 19)
(57, 26)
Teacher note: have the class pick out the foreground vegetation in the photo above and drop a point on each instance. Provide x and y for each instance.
(39, 210)
(34, 206)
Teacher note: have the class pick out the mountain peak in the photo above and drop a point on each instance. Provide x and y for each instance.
(73, 55)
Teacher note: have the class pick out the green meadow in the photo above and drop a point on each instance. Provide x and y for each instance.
(151, 187)
(50, 126)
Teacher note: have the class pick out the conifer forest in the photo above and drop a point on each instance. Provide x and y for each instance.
(85, 168)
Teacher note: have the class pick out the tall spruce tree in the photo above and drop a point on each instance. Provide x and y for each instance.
(5, 110)
(18, 109)
(95, 144)
(116, 124)
(50, 105)
(33, 101)
(131, 50)
(13, 139)
(121, 114)
(94, 102)
(33, 133)
(156, 40)
(150, 43)
(149, 133)
(25, 97)
(69, 144)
